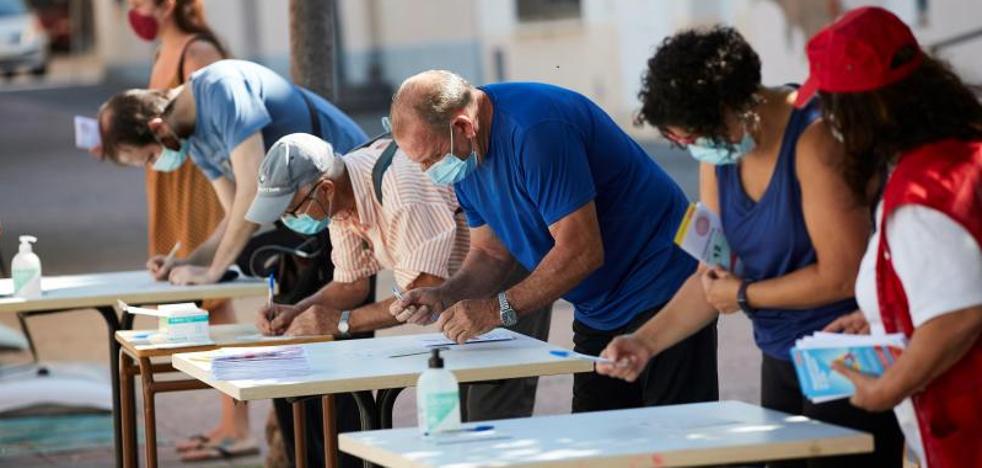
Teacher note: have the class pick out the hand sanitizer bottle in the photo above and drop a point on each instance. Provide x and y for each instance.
(26, 270)
(437, 398)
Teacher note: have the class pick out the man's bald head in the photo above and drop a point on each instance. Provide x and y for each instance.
(431, 98)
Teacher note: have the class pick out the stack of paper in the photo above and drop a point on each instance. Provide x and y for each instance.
(260, 363)
(813, 357)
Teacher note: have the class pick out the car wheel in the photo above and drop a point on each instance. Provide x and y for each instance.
(9, 74)
(40, 71)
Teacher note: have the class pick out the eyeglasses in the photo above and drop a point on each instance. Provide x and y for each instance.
(310, 196)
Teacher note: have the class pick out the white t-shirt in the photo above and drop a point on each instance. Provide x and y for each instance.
(940, 267)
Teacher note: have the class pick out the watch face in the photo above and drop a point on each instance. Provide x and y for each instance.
(508, 317)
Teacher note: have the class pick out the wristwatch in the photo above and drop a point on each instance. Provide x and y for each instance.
(742, 297)
(508, 315)
(343, 326)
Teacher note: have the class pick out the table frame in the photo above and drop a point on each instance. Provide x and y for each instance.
(104, 304)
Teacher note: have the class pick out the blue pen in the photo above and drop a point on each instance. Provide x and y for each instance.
(396, 292)
(272, 288)
(585, 357)
(483, 428)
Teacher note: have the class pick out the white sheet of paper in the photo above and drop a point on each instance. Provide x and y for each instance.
(86, 133)
(493, 335)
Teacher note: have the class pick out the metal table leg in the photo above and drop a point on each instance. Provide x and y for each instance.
(112, 324)
(386, 401)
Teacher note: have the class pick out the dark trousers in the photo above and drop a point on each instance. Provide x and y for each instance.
(779, 390)
(684, 373)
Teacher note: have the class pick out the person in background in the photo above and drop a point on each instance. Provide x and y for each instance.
(912, 132)
(223, 119)
(549, 182)
(770, 171)
(181, 207)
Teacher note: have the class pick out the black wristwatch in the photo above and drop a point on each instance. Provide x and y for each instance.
(742, 297)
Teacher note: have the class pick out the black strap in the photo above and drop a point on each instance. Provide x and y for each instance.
(180, 62)
(381, 165)
(315, 121)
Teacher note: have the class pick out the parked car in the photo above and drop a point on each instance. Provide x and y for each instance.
(23, 41)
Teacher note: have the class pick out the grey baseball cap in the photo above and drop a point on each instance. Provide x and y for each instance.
(292, 162)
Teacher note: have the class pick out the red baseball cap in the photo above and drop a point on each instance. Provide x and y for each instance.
(854, 54)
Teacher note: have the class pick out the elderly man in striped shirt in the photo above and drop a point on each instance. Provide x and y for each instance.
(382, 212)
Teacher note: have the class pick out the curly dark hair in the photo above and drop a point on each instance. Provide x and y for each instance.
(694, 77)
(930, 105)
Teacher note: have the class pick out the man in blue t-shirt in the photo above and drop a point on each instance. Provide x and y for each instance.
(548, 181)
(224, 119)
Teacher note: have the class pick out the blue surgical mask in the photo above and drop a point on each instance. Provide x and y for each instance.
(451, 169)
(705, 150)
(170, 160)
(305, 224)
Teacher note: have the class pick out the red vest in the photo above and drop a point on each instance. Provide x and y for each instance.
(945, 176)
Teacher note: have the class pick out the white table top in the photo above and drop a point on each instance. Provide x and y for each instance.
(138, 342)
(679, 435)
(356, 365)
(133, 287)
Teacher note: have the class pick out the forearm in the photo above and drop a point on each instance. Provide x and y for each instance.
(372, 317)
(686, 313)
(205, 252)
(480, 276)
(933, 349)
(801, 289)
(559, 271)
(234, 240)
(338, 295)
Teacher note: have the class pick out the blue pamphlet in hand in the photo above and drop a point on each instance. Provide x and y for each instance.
(814, 355)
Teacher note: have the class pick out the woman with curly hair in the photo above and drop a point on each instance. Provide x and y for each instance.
(913, 138)
(770, 171)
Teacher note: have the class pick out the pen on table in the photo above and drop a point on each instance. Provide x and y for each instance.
(585, 357)
(482, 428)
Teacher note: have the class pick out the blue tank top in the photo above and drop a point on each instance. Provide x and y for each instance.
(771, 240)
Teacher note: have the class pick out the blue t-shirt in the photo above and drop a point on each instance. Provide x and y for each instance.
(235, 99)
(551, 151)
(770, 238)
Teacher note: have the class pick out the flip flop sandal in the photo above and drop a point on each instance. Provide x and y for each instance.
(195, 442)
(226, 449)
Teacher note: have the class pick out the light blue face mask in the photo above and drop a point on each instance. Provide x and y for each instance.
(451, 169)
(305, 224)
(170, 160)
(705, 150)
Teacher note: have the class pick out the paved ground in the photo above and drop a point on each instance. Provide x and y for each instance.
(90, 216)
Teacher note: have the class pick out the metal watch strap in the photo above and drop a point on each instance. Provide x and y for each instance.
(507, 315)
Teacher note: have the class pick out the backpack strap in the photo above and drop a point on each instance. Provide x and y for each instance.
(381, 165)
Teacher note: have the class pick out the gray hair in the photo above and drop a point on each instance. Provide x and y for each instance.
(434, 97)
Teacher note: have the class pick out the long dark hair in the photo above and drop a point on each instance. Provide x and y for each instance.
(930, 105)
(189, 15)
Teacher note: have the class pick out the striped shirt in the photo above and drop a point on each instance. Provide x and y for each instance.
(418, 228)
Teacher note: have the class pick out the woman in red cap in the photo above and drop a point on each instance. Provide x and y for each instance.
(913, 135)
